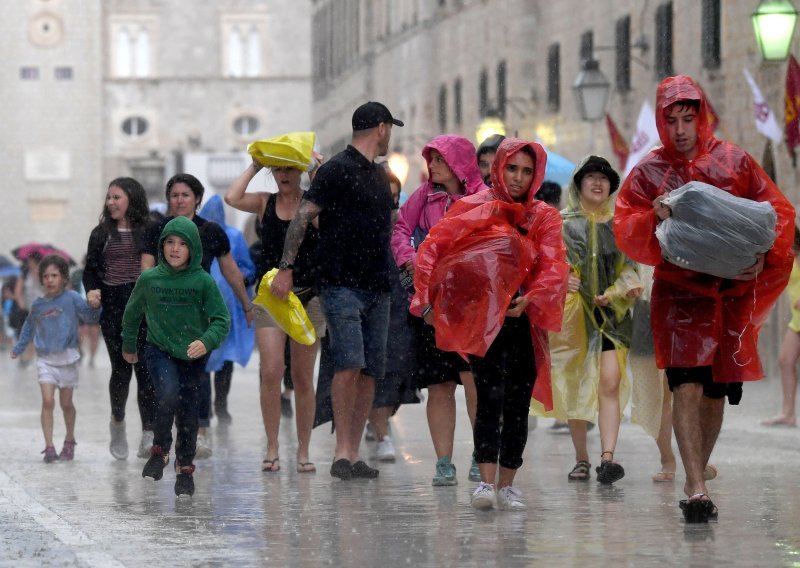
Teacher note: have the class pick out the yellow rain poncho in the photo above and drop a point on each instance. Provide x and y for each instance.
(575, 350)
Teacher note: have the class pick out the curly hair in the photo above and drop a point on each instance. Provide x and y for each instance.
(54, 260)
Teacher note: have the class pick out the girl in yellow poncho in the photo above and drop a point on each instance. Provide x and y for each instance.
(588, 355)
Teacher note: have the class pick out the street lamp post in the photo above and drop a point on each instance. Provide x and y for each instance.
(591, 89)
(774, 22)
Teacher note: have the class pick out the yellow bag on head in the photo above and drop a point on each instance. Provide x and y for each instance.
(289, 314)
(293, 150)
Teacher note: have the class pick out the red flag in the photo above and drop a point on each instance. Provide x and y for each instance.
(791, 100)
(618, 144)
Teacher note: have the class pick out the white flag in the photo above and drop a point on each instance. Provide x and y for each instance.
(766, 123)
(645, 137)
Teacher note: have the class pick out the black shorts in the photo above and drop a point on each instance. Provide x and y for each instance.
(607, 344)
(682, 375)
(434, 366)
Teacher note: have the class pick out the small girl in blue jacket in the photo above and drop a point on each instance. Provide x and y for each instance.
(53, 325)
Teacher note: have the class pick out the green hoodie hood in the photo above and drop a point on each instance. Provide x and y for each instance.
(187, 230)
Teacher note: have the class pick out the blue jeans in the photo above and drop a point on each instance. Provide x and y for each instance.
(177, 387)
(358, 326)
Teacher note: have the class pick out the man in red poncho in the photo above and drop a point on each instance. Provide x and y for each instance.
(705, 328)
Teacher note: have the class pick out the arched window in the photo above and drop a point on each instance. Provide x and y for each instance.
(135, 126)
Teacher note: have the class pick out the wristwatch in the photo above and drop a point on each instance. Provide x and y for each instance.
(284, 265)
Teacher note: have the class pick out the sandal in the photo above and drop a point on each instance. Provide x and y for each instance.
(710, 472)
(664, 477)
(608, 471)
(271, 466)
(698, 509)
(581, 471)
(306, 467)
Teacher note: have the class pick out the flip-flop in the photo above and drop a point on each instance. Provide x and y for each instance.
(778, 422)
(306, 467)
(664, 477)
(271, 466)
(696, 509)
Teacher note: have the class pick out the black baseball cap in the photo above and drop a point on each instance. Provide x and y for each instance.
(371, 114)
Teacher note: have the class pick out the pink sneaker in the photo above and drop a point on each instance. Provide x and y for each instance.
(68, 451)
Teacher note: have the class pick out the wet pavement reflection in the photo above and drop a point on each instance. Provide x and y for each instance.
(97, 511)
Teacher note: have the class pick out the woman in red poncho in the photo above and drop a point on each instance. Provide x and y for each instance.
(705, 328)
(491, 277)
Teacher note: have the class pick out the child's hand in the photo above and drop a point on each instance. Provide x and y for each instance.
(196, 349)
(130, 357)
(93, 298)
(13, 355)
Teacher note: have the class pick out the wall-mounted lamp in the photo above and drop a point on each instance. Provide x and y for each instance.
(591, 89)
(398, 163)
(489, 126)
(774, 22)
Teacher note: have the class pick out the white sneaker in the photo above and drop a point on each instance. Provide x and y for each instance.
(146, 444)
(119, 440)
(484, 497)
(386, 452)
(202, 448)
(510, 499)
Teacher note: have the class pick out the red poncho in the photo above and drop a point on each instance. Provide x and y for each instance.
(481, 254)
(700, 319)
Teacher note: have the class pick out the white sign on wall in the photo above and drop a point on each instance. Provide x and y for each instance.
(48, 165)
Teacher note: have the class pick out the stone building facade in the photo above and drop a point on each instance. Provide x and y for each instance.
(97, 90)
(443, 65)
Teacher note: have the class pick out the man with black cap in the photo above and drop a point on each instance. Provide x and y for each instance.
(351, 196)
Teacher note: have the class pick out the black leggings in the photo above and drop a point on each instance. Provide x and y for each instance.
(504, 380)
(114, 299)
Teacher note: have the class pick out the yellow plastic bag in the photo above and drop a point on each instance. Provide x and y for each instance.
(289, 314)
(292, 150)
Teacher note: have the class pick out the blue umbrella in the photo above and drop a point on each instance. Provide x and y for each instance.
(8, 268)
(559, 169)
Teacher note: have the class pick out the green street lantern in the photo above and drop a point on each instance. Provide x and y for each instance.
(774, 22)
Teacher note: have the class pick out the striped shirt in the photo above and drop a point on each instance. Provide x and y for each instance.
(122, 259)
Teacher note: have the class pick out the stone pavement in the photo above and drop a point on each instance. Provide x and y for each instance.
(99, 512)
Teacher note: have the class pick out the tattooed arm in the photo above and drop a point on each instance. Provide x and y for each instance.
(307, 212)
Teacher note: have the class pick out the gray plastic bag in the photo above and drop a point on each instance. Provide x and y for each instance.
(714, 232)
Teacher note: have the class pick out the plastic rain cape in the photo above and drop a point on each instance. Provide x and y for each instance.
(575, 350)
(700, 319)
(289, 314)
(481, 254)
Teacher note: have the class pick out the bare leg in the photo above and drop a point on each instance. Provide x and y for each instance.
(271, 342)
(711, 413)
(664, 440)
(687, 423)
(48, 405)
(362, 405)
(506, 477)
(470, 394)
(787, 360)
(68, 409)
(441, 411)
(379, 418)
(343, 398)
(577, 429)
(489, 472)
(608, 399)
(303, 359)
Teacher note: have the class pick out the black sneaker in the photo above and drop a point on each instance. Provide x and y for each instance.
(154, 468)
(342, 469)
(184, 481)
(362, 470)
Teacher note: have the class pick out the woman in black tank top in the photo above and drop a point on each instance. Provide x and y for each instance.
(276, 210)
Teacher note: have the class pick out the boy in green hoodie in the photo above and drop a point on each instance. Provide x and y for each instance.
(186, 320)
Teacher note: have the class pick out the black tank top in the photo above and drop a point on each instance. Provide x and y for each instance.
(273, 235)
